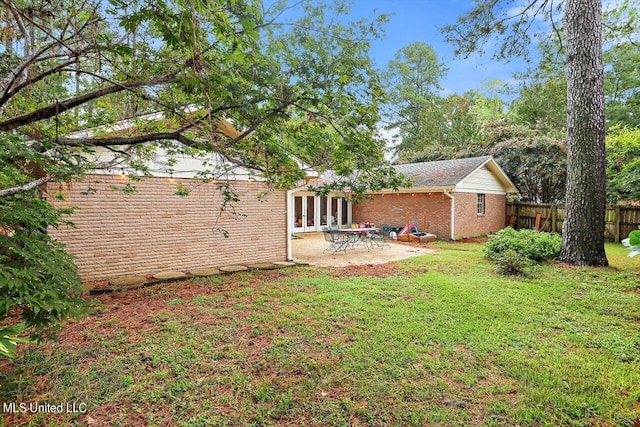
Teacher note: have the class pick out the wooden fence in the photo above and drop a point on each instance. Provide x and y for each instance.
(619, 220)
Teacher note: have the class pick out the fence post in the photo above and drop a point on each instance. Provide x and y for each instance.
(616, 220)
(554, 218)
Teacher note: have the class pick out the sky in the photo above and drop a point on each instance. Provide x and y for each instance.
(418, 21)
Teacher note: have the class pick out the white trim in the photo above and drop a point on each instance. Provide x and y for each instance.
(302, 191)
(453, 214)
(497, 171)
(420, 190)
(289, 217)
(474, 171)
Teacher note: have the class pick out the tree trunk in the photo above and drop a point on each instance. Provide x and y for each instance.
(583, 229)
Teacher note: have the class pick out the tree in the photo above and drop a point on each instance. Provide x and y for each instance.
(38, 281)
(585, 200)
(413, 81)
(623, 165)
(536, 163)
(69, 65)
(543, 105)
(453, 131)
(622, 84)
(583, 230)
(543, 91)
(622, 79)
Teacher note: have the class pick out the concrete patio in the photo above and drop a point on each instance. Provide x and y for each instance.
(308, 248)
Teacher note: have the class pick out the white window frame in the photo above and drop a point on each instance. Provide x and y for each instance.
(482, 204)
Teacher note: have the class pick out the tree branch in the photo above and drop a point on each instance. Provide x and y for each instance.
(10, 78)
(24, 187)
(13, 88)
(60, 107)
(127, 140)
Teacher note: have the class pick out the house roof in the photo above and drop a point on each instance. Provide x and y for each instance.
(450, 173)
(437, 176)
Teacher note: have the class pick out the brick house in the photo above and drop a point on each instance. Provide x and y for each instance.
(156, 228)
(452, 199)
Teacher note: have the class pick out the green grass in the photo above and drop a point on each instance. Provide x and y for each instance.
(434, 340)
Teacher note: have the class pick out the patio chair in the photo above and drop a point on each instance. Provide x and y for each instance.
(380, 238)
(336, 240)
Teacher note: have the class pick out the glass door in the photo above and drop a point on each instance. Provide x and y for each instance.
(310, 224)
(325, 220)
(298, 214)
(339, 211)
(304, 214)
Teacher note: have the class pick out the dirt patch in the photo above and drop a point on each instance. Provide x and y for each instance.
(479, 239)
(367, 270)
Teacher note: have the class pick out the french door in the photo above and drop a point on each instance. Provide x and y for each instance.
(304, 214)
(311, 213)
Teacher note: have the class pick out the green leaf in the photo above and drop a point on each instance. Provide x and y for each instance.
(9, 340)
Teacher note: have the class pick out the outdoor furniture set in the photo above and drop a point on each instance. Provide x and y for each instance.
(365, 234)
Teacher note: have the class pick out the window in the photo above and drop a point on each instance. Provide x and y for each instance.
(345, 211)
(480, 204)
(324, 202)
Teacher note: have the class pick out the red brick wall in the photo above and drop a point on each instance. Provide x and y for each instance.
(467, 221)
(154, 229)
(398, 209)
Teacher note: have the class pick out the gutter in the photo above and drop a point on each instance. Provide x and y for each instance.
(410, 190)
(453, 211)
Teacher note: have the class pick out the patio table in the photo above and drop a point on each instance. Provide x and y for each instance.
(359, 236)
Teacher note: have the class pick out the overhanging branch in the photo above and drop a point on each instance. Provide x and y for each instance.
(24, 187)
(128, 140)
(62, 106)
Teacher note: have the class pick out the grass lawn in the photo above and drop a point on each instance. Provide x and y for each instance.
(434, 340)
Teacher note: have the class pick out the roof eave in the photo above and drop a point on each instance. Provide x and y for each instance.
(438, 189)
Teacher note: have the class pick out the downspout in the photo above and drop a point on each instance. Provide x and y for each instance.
(289, 224)
(453, 216)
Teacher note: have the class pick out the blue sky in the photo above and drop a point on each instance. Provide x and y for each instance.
(418, 20)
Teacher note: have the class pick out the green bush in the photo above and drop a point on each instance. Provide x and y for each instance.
(39, 283)
(529, 244)
(38, 279)
(633, 243)
(511, 263)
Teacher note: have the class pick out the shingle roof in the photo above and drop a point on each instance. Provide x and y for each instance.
(438, 175)
(442, 173)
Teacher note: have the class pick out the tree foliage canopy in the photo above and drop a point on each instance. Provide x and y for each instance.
(623, 165)
(413, 79)
(73, 64)
(537, 163)
(298, 87)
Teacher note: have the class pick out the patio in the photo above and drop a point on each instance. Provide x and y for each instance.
(308, 248)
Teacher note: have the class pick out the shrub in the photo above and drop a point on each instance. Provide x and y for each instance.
(633, 243)
(511, 263)
(529, 245)
(38, 279)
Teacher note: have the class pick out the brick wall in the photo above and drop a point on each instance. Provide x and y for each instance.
(153, 229)
(467, 221)
(398, 209)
